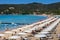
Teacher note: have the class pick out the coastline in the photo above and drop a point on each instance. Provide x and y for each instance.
(24, 25)
(20, 25)
(26, 28)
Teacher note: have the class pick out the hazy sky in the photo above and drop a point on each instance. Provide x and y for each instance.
(27, 1)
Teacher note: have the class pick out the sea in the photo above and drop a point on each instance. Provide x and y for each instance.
(15, 21)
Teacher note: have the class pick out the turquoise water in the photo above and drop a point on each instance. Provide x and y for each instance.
(18, 20)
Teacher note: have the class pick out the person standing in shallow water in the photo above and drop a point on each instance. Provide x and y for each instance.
(7, 29)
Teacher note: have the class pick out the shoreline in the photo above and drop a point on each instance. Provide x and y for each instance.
(49, 23)
(27, 15)
(19, 26)
(12, 28)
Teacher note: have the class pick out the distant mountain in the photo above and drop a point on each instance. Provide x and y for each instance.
(53, 8)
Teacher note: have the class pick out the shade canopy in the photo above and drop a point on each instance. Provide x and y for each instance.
(53, 25)
(38, 35)
(15, 30)
(28, 31)
(1, 34)
(43, 32)
(9, 32)
(14, 37)
(21, 33)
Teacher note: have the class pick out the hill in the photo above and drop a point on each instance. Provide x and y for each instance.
(30, 8)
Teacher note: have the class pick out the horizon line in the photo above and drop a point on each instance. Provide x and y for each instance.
(30, 3)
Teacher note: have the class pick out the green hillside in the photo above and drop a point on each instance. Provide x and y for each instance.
(30, 8)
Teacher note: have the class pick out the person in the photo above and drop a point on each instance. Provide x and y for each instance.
(33, 32)
(20, 29)
(25, 38)
(15, 32)
(22, 38)
(7, 29)
(4, 39)
(0, 38)
(58, 36)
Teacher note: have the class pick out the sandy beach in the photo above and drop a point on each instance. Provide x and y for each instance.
(29, 31)
(29, 19)
(57, 31)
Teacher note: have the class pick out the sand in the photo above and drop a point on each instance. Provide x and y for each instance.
(57, 31)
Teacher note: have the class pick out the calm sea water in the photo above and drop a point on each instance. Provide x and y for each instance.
(18, 20)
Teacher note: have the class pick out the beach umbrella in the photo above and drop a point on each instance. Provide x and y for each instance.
(2, 36)
(8, 34)
(43, 32)
(22, 34)
(20, 29)
(27, 31)
(15, 30)
(14, 38)
(40, 36)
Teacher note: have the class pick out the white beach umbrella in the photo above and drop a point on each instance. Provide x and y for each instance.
(43, 32)
(14, 37)
(21, 33)
(9, 32)
(40, 36)
(2, 34)
(27, 31)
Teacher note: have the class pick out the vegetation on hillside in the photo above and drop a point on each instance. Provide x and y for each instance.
(30, 8)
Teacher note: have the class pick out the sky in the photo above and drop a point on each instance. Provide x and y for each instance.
(27, 1)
